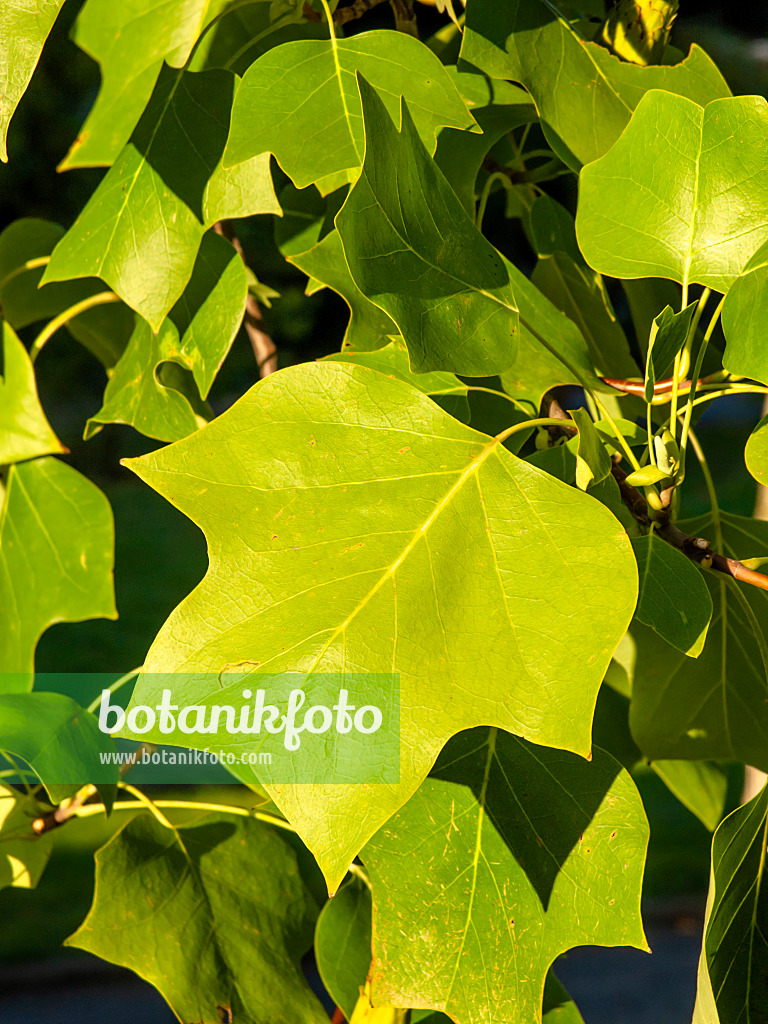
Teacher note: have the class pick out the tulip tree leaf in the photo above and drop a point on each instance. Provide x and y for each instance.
(241, 191)
(593, 463)
(393, 361)
(413, 250)
(24, 430)
(671, 331)
(412, 545)
(732, 969)
(300, 102)
(23, 855)
(577, 292)
(552, 229)
(369, 327)
(713, 707)
(56, 551)
(59, 740)
(655, 206)
(584, 94)
(701, 786)
(756, 452)
(744, 313)
(129, 40)
(141, 229)
(674, 599)
(343, 944)
(469, 901)
(24, 29)
(215, 915)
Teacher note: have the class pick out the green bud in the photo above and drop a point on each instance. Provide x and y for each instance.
(647, 476)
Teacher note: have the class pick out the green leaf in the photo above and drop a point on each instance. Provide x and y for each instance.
(103, 330)
(24, 430)
(732, 969)
(150, 389)
(56, 550)
(584, 94)
(224, 911)
(498, 107)
(508, 855)
(393, 361)
(240, 191)
(552, 229)
(655, 206)
(413, 544)
(23, 854)
(756, 452)
(701, 786)
(744, 313)
(579, 293)
(24, 29)
(141, 229)
(646, 297)
(300, 102)
(674, 599)
(558, 1007)
(593, 463)
(667, 338)
(713, 707)
(343, 944)
(60, 741)
(413, 250)
(129, 40)
(369, 327)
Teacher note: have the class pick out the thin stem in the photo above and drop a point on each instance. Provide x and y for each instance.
(491, 391)
(101, 299)
(235, 57)
(329, 18)
(187, 805)
(676, 373)
(485, 195)
(149, 804)
(710, 483)
(115, 686)
(544, 421)
(215, 20)
(359, 872)
(686, 429)
(39, 261)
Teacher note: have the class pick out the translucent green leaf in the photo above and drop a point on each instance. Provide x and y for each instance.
(215, 915)
(646, 296)
(713, 707)
(413, 544)
(240, 191)
(667, 338)
(369, 327)
(300, 101)
(343, 943)
(130, 40)
(655, 206)
(733, 970)
(56, 551)
(413, 250)
(23, 855)
(584, 94)
(24, 430)
(60, 741)
(701, 786)
(756, 452)
(141, 229)
(23, 30)
(577, 291)
(744, 316)
(506, 857)
(593, 463)
(674, 599)
(498, 107)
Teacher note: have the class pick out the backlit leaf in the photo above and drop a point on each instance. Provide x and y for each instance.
(756, 452)
(655, 205)
(23, 855)
(744, 313)
(593, 463)
(24, 430)
(668, 338)
(385, 541)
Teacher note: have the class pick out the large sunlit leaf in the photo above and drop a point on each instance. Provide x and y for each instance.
(215, 915)
(713, 706)
(141, 230)
(56, 551)
(507, 855)
(656, 204)
(300, 101)
(376, 532)
(23, 855)
(413, 250)
(24, 430)
(24, 28)
(59, 740)
(733, 969)
(584, 94)
(744, 315)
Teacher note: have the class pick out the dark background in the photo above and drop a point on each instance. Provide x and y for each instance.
(160, 556)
